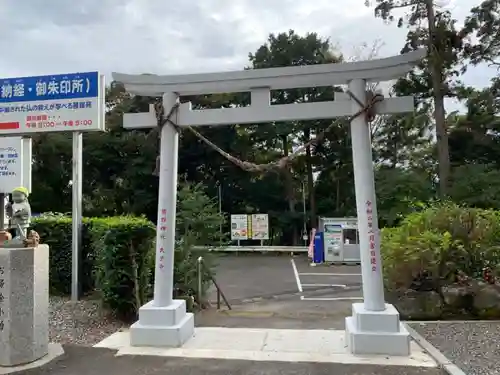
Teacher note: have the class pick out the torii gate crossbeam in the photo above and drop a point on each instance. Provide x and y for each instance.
(374, 327)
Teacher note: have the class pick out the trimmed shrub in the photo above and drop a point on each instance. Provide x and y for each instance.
(116, 258)
(124, 261)
(55, 231)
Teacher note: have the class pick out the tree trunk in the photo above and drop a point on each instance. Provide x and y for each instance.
(436, 70)
(290, 192)
(310, 181)
(394, 145)
(337, 195)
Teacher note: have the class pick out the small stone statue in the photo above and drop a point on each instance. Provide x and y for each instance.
(19, 212)
(32, 240)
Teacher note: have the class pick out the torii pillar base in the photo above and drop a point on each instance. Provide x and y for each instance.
(169, 326)
(376, 332)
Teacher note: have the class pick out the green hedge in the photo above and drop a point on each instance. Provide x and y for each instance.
(116, 258)
(124, 261)
(55, 231)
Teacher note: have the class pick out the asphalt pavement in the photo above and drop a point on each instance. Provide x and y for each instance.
(79, 360)
(256, 277)
(282, 292)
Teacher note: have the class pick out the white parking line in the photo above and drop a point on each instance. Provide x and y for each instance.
(297, 277)
(333, 285)
(329, 274)
(302, 298)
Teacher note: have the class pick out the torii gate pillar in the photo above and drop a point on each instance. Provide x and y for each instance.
(164, 321)
(374, 327)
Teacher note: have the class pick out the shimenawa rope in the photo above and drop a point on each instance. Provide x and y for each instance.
(367, 109)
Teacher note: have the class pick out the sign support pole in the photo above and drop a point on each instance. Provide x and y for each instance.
(77, 187)
(219, 191)
(2, 211)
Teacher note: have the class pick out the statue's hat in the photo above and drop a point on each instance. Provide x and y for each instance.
(21, 189)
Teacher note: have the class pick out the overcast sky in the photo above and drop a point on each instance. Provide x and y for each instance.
(165, 37)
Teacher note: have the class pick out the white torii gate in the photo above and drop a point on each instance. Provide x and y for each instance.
(374, 327)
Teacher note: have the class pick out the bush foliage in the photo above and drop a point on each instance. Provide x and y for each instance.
(445, 250)
(440, 242)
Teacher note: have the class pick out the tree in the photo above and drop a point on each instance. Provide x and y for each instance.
(484, 25)
(290, 49)
(400, 191)
(399, 140)
(474, 135)
(476, 185)
(51, 173)
(198, 218)
(434, 76)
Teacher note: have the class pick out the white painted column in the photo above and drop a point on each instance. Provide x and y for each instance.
(167, 197)
(369, 237)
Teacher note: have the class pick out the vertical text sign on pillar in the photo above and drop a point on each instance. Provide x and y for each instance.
(163, 236)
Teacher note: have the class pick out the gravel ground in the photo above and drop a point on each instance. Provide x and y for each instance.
(84, 322)
(472, 346)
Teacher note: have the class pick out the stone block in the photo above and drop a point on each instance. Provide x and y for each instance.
(376, 332)
(24, 304)
(168, 326)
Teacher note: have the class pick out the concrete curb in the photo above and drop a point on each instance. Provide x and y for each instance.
(439, 357)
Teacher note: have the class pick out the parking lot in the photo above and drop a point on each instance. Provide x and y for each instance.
(326, 283)
(250, 277)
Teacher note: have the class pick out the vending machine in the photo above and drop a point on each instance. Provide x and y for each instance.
(341, 239)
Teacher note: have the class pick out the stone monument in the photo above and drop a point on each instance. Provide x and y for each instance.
(24, 290)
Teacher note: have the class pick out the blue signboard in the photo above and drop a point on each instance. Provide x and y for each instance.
(53, 87)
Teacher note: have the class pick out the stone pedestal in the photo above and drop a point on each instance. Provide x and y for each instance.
(376, 332)
(24, 304)
(168, 326)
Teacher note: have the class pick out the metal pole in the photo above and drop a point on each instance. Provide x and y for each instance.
(27, 162)
(304, 212)
(200, 282)
(167, 196)
(2, 211)
(364, 184)
(220, 212)
(77, 183)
